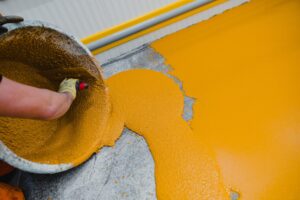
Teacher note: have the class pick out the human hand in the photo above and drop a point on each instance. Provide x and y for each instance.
(69, 86)
(8, 19)
(72, 86)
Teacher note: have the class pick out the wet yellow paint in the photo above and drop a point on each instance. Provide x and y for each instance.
(243, 69)
(25, 136)
(71, 139)
(185, 167)
(151, 104)
(147, 102)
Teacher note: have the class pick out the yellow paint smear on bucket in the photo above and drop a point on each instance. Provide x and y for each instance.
(243, 67)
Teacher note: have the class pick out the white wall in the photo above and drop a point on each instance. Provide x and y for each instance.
(81, 17)
(84, 17)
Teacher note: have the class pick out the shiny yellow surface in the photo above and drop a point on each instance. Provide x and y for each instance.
(243, 67)
(151, 104)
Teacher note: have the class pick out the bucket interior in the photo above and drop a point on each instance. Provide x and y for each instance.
(43, 57)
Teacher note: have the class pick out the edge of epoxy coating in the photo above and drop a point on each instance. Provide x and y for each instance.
(109, 54)
(29, 166)
(9, 156)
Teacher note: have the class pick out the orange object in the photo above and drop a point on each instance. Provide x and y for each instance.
(5, 168)
(8, 192)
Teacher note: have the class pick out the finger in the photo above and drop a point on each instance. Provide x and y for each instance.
(13, 19)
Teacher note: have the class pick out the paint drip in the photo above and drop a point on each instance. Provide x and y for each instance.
(151, 105)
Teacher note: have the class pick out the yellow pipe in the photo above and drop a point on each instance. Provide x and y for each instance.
(117, 28)
(159, 26)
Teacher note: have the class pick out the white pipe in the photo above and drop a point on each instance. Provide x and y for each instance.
(147, 24)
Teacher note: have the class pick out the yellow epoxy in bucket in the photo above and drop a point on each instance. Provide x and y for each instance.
(43, 57)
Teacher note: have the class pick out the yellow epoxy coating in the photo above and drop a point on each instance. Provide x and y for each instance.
(151, 104)
(243, 67)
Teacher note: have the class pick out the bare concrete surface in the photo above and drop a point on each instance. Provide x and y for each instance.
(145, 57)
(122, 172)
(125, 171)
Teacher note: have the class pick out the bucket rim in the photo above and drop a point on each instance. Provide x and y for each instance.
(8, 155)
